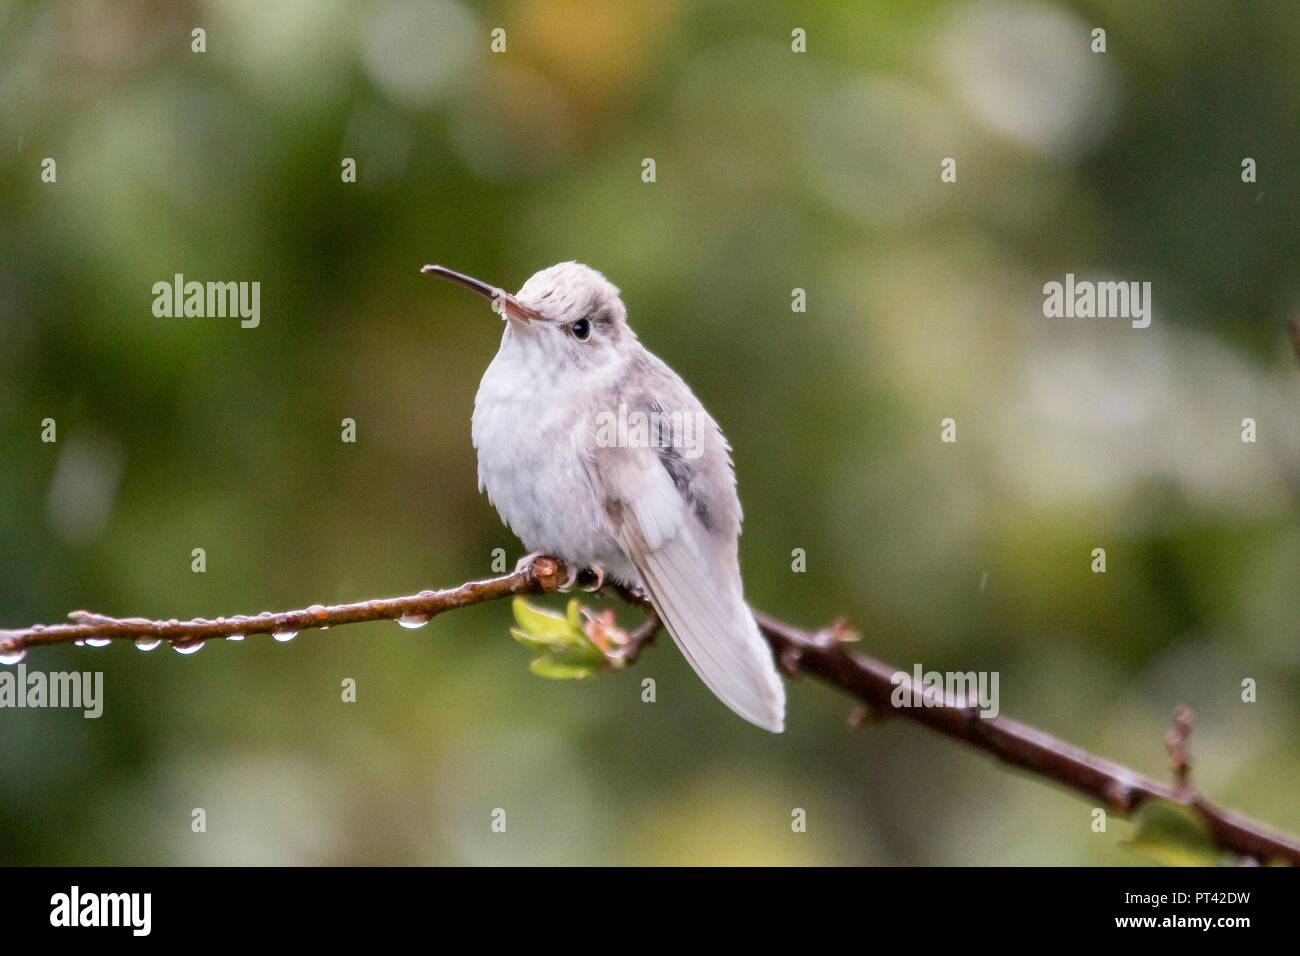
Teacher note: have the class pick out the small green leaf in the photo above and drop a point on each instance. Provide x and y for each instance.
(1173, 835)
(530, 642)
(544, 626)
(564, 650)
(561, 667)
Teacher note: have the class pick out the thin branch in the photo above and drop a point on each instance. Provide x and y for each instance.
(1122, 790)
(824, 655)
(641, 638)
(540, 576)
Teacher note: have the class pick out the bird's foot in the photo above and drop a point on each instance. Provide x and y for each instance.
(571, 572)
(523, 563)
(551, 573)
(592, 578)
(589, 578)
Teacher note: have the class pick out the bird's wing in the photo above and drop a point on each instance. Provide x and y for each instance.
(691, 574)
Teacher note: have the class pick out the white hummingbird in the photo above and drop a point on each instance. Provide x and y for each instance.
(651, 506)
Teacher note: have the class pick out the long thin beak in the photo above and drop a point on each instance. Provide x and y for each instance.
(502, 301)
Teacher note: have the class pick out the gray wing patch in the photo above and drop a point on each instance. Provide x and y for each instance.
(669, 448)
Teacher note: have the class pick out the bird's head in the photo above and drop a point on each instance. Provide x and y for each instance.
(570, 313)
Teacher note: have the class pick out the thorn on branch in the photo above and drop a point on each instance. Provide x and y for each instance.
(838, 632)
(1119, 797)
(790, 659)
(865, 714)
(1176, 744)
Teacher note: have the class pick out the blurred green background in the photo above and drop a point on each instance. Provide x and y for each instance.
(775, 170)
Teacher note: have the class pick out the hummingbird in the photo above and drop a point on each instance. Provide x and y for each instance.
(595, 452)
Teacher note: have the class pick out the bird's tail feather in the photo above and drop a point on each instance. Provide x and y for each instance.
(715, 630)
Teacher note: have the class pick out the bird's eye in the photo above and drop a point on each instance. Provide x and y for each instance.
(581, 329)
